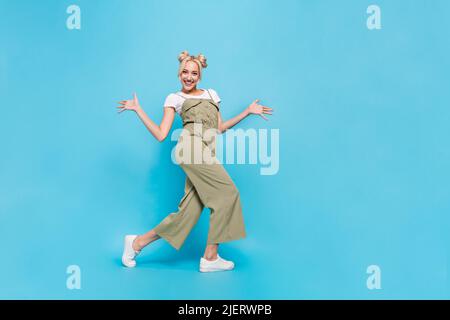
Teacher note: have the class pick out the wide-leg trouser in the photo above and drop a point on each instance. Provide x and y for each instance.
(207, 185)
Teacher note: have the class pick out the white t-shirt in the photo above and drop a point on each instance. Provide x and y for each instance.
(175, 101)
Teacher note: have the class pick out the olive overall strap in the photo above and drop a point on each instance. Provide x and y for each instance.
(210, 95)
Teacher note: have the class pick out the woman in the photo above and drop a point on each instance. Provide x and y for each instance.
(207, 183)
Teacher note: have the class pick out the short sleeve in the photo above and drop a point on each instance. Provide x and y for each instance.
(171, 100)
(214, 95)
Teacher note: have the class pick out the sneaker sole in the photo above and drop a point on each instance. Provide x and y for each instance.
(128, 266)
(214, 270)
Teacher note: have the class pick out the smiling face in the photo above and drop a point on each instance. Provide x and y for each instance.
(190, 76)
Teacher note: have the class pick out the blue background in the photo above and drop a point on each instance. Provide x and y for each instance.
(364, 153)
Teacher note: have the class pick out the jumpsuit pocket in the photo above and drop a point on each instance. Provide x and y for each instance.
(214, 104)
(191, 112)
(187, 106)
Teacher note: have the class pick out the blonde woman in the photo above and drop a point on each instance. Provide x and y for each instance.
(207, 183)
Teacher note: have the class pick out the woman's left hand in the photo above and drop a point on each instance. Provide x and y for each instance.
(256, 108)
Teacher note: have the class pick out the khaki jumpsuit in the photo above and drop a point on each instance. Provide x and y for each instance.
(207, 184)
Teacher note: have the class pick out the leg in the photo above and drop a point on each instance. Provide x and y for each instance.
(218, 192)
(144, 240)
(174, 228)
(211, 251)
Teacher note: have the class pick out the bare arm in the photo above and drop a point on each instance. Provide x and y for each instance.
(254, 108)
(160, 131)
(224, 126)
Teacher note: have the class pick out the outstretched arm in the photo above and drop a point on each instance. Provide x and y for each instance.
(161, 131)
(254, 108)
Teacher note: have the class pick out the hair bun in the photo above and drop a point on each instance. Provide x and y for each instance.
(183, 55)
(202, 60)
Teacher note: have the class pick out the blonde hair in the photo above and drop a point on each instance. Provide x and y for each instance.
(200, 60)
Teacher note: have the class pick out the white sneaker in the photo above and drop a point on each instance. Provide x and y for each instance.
(216, 265)
(129, 254)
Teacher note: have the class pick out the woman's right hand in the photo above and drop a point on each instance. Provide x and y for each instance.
(132, 104)
(256, 108)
